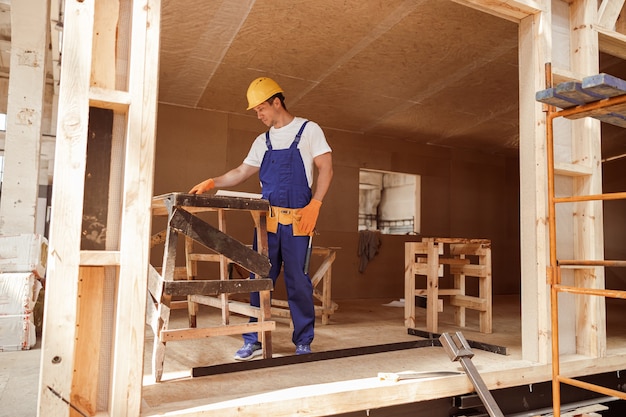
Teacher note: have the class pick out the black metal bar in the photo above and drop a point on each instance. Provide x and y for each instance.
(312, 357)
(500, 350)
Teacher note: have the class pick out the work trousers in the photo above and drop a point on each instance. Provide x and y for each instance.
(289, 251)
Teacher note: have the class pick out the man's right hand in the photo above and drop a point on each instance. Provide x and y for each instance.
(203, 187)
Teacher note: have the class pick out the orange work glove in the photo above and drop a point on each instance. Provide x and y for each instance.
(203, 187)
(309, 215)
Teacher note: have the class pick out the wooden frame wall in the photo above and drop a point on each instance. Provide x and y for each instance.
(60, 342)
(88, 80)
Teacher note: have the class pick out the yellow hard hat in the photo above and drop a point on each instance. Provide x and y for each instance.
(260, 90)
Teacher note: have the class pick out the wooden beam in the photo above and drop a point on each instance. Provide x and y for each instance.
(84, 395)
(611, 42)
(127, 372)
(608, 13)
(534, 53)
(104, 44)
(216, 286)
(58, 350)
(587, 236)
(513, 10)
(20, 185)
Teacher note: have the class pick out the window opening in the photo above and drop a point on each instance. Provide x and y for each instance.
(389, 202)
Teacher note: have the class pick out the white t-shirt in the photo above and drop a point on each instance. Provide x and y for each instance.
(312, 144)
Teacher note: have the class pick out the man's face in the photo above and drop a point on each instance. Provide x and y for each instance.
(266, 113)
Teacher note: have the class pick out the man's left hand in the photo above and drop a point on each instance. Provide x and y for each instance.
(309, 214)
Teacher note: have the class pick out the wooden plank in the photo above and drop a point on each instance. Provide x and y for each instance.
(84, 393)
(204, 332)
(574, 90)
(535, 49)
(608, 12)
(409, 283)
(470, 249)
(235, 306)
(216, 286)
(454, 261)
(611, 42)
(99, 258)
(588, 335)
(221, 220)
(513, 10)
(202, 232)
(473, 303)
(115, 100)
(471, 270)
(604, 85)
(432, 286)
(551, 97)
(202, 202)
(155, 283)
(323, 268)
(58, 348)
(127, 366)
(104, 44)
(571, 170)
(204, 257)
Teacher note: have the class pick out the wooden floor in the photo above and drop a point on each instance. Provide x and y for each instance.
(345, 385)
(328, 387)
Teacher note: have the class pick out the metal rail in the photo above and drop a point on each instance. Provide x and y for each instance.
(463, 353)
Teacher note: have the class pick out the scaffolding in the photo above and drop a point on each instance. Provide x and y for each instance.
(577, 100)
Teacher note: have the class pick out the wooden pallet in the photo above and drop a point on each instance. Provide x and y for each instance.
(427, 258)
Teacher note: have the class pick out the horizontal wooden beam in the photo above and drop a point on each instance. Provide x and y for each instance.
(513, 10)
(611, 42)
(195, 333)
(205, 202)
(216, 287)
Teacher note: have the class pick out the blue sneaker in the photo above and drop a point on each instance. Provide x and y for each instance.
(249, 351)
(303, 349)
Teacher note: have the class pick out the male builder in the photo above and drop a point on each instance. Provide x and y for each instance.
(284, 157)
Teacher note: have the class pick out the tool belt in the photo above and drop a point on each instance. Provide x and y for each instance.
(284, 216)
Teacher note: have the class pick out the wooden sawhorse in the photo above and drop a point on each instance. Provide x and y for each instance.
(180, 210)
(428, 258)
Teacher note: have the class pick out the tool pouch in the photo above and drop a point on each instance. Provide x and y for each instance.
(272, 221)
(285, 216)
(296, 226)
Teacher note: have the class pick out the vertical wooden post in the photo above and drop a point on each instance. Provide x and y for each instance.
(534, 51)
(59, 328)
(20, 186)
(409, 284)
(432, 285)
(588, 216)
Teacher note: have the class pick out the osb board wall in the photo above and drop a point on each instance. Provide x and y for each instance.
(464, 193)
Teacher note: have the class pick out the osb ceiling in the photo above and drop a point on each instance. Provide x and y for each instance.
(430, 71)
(427, 71)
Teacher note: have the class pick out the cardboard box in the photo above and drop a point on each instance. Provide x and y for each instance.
(24, 253)
(18, 293)
(17, 332)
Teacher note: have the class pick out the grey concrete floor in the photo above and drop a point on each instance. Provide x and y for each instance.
(19, 381)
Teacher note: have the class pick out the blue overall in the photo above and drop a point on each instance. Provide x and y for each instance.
(284, 184)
